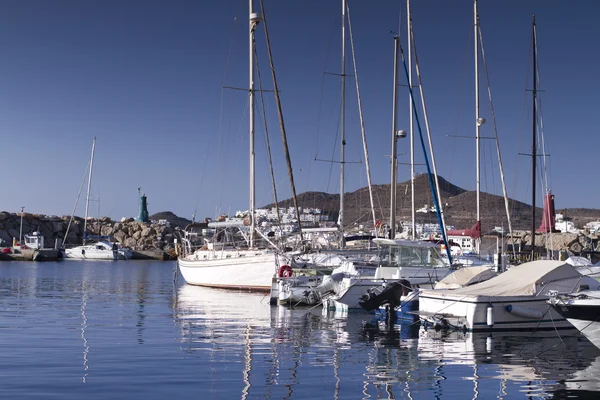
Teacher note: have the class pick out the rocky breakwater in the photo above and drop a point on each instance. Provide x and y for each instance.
(151, 240)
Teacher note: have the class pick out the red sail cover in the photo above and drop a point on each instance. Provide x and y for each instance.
(474, 232)
(549, 217)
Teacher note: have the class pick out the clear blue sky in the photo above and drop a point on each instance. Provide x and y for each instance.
(146, 77)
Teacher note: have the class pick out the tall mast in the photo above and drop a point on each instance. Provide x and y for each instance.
(394, 138)
(533, 140)
(411, 129)
(254, 20)
(89, 185)
(478, 121)
(343, 126)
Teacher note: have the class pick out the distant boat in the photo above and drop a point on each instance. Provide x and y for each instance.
(101, 250)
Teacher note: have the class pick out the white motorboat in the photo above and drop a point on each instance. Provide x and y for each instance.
(514, 300)
(98, 251)
(582, 310)
(419, 263)
(309, 271)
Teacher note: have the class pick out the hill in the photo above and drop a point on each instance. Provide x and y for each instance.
(173, 219)
(459, 206)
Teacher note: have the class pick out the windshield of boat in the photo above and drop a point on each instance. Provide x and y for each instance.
(409, 256)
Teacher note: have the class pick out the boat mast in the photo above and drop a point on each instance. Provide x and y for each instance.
(254, 21)
(411, 129)
(89, 185)
(394, 138)
(533, 140)
(361, 119)
(342, 126)
(478, 121)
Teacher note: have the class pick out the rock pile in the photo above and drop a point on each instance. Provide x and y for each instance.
(132, 234)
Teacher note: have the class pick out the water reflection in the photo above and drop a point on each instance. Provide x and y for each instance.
(287, 353)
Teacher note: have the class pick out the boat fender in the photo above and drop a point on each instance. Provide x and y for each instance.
(490, 315)
(524, 312)
(285, 271)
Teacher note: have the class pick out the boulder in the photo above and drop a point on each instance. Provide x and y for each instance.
(130, 242)
(5, 236)
(57, 226)
(148, 232)
(120, 236)
(106, 230)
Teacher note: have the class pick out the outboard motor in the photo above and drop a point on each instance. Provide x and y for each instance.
(391, 296)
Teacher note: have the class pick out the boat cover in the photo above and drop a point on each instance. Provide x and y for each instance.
(465, 276)
(527, 279)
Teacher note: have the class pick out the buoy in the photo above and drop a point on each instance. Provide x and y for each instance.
(285, 271)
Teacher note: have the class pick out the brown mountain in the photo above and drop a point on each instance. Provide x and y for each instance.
(459, 206)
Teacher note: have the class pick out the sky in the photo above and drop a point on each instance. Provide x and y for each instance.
(151, 81)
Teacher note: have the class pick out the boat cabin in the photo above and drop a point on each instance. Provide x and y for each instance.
(407, 253)
(35, 241)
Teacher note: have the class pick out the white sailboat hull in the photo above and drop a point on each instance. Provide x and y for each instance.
(244, 269)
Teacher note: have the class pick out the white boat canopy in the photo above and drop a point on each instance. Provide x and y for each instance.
(465, 276)
(528, 279)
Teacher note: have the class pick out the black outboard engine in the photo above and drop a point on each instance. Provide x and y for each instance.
(391, 296)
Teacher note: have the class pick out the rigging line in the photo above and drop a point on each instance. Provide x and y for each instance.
(460, 99)
(427, 129)
(525, 113)
(542, 138)
(335, 143)
(322, 89)
(493, 112)
(267, 140)
(236, 24)
(281, 122)
(360, 114)
(437, 206)
(219, 146)
(85, 173)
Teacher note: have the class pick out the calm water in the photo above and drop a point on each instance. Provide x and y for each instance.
(123, 330)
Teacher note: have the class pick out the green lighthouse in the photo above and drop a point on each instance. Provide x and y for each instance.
(143, 215)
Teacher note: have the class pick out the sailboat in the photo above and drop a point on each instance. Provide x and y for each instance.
(469, 240)
(518, 298)
(233, 258)
(301, 288)
(101, 250)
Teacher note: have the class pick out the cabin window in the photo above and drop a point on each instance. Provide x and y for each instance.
(405, 256)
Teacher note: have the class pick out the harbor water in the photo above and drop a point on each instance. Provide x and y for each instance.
(127, 329)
